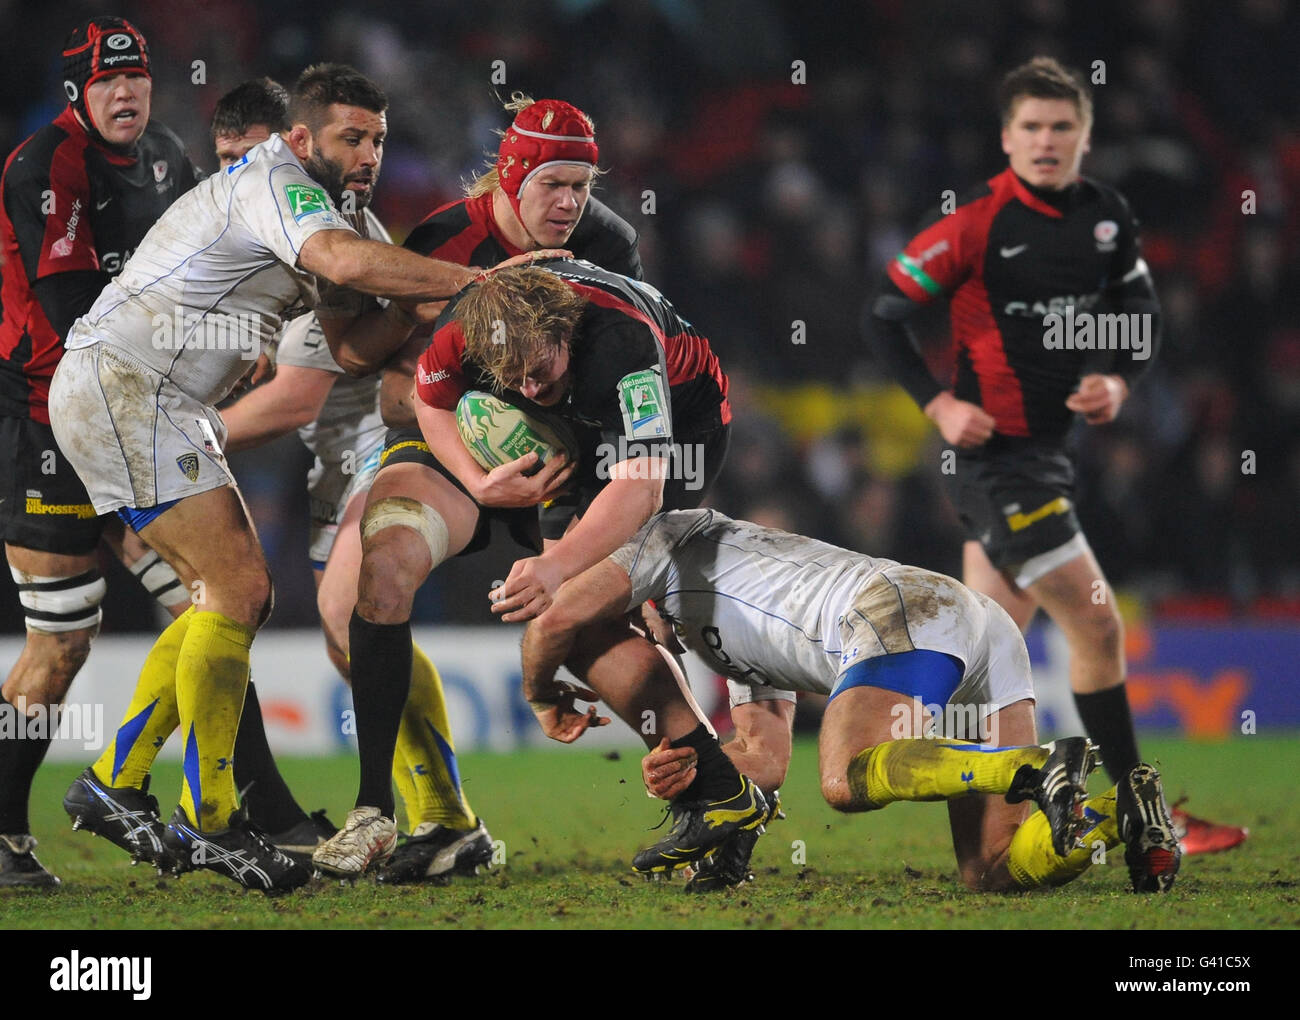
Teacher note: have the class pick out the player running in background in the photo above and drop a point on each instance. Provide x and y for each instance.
(337, 418)
(511, 209)
(133, 405)
(77, 198)
(889, 644)
(1017, 252)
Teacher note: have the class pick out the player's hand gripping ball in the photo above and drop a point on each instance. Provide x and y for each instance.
(496, 432)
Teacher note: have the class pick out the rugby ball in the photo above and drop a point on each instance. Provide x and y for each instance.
(496, 432)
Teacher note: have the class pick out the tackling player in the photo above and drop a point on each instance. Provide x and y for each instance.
(337, 418)
(1031, 250)
(76, 199)
(778, 613)
(133, 407)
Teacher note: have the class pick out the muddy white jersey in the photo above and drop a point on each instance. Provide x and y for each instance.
(759, 605)
(217, 275)
(350, 423)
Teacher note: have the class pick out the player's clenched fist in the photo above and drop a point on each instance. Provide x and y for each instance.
(667, 770)
(1098, 398)
(960, 422)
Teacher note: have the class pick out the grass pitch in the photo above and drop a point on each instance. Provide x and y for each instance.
(571, 818)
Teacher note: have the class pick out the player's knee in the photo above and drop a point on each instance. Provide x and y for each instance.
(1103, 629)
(837, 793)
(49, 664)
(388, 581)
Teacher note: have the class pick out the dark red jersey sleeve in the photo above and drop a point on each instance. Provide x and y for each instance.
(439, 375)
(937, 260)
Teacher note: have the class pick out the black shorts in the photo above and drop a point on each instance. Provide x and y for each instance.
(696, 461)
(43, 505)
(1015, 497)
(407, 446)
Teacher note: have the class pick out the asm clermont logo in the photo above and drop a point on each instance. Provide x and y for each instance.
(189, 465)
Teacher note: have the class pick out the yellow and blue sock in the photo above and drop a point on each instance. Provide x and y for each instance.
(151, 716)
(426, 751)
(211, 678)
(922, 769)
(1031, 859)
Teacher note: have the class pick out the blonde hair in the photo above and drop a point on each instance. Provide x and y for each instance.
(487, 180)
(516, 320)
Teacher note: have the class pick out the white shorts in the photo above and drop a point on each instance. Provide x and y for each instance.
(330, 489)
(905, 608)
(134, 438)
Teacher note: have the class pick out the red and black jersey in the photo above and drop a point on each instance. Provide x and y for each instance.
(71, 212)
(465, 232)
(1009, 256)
(629, 339)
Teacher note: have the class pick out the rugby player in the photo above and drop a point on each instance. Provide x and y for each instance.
(77, 198)
(778, 613)
(611, 357)
(132, 405)
(536, 192)
(337, 417)
(1014, 255)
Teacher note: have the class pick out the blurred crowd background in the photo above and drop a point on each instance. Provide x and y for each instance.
(774, 155)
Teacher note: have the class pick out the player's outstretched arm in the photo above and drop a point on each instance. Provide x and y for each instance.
(627, 502)
(293, 398)
(602, 592)
(385, 270)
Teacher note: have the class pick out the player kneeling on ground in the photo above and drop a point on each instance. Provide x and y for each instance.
(779, 613)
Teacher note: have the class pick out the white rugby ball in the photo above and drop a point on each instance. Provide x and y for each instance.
(496, 432)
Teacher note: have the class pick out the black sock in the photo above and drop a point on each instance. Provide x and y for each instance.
(716, 777)
(381, 682)
(21, 755)
(271, 806)
(1109, 724)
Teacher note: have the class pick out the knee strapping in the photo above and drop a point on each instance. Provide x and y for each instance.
(56, 605)
(160, 580)
(401, 511)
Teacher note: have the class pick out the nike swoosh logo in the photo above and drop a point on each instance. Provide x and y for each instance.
(1010, 253)
(100, 205)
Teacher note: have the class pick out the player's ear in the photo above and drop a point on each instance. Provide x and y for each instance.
(1006, 140)
(300, 141)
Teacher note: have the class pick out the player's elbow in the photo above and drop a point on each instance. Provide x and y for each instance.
(558, 624)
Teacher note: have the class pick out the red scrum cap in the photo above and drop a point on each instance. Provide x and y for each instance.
(550, 131)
